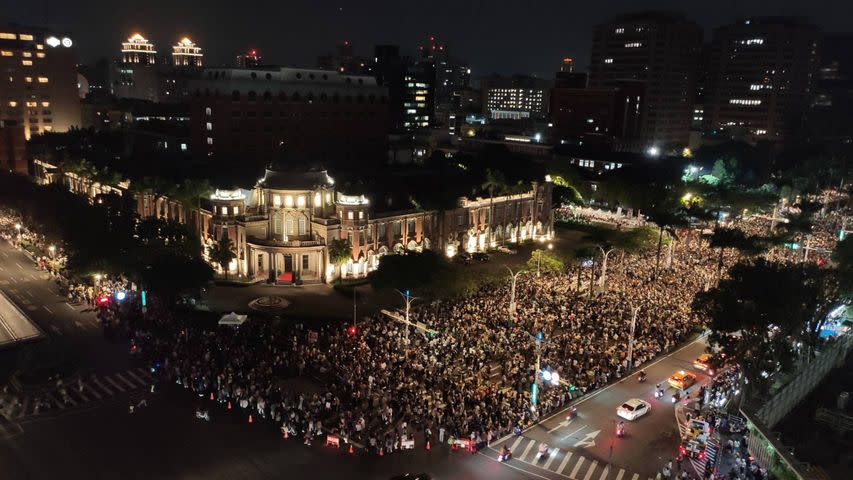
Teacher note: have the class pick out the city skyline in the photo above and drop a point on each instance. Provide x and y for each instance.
(489, 35)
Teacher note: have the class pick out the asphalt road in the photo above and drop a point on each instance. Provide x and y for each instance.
(588, 448)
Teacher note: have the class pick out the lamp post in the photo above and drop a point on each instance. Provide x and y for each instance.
(408, 298)
(18, 228)
(604, 255)
(513, 277)
(52, 250)
(634, 311)
(539, 259)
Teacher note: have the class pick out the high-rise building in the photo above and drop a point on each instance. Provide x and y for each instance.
(38, 89)
(418, 96)
(451, 78)
(250, 59)
(603, 115)
(137, 49)
(761, 77)
(244, 116)
(13, 147)
(389, 69)
(515, 98)
(660, 50)
(137, 75)
(186, 54)
(828, 119)
(344, 60)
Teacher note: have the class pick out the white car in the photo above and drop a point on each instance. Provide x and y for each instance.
(633, 409)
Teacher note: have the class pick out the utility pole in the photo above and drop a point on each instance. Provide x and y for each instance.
(354, 315)
(634, 311)
(408, 298)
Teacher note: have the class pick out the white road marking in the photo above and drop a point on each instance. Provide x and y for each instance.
(56, 330)
(571, 434)
(19, 265)
(591, 470)
(94, 392)
(636, 476)
(126, 381)
(515, 443)
(48, 310)
(69, 306)
(116, 385)
(604, 472)
(527, 449)
(619, 475)
(564, 423)
(551, 457)
(78, 324)
(59, 404)
(588, 440)
(103, 387)
(142, 382)
(564, 463)
(577, 468)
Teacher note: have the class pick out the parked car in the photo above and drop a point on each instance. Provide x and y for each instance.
(462, 258)
(481, 256)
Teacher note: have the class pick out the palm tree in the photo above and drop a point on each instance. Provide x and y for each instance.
(222, 252)
(495, 182)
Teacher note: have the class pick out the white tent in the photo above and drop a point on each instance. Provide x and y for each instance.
(232, 319)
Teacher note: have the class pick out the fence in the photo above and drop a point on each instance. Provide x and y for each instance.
(804, 382)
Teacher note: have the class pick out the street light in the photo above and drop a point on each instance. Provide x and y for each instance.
(18, 228)
(539, 259)
(52, 250)
(408, 298)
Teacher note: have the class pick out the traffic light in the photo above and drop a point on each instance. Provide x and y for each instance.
(352, 330)
(103, 301)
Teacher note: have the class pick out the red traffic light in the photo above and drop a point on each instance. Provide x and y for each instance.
(103, 300)
(352, 330)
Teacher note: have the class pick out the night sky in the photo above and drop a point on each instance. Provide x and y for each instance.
(526, 36)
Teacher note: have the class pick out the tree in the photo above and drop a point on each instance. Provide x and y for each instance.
(843, 258)
(761, 311)
(414, 270)
(724, 238)
(545, 261)
(340, 251)
(495, 182)
(222, 252)
(668, 219)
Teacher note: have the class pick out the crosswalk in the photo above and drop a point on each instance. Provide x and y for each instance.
(710, 457)
(565, 463)
(96, 388)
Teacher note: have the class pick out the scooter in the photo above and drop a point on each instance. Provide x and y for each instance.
(642, 377)
(573, 412)
(542, 453)
(676, 397)
(620, 431)
(504, 455)
(202, 415)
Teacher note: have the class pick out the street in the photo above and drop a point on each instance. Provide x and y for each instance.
(587, 447)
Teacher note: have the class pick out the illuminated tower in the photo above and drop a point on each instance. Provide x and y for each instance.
(186, 54)
(137, 49)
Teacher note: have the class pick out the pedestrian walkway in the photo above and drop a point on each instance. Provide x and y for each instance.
(95, 389)
(564, 463)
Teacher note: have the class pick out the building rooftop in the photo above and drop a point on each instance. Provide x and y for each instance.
(292, 179)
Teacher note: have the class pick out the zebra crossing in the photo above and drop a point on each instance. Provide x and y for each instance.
(565, 463)
(710, 458)
(53, 400)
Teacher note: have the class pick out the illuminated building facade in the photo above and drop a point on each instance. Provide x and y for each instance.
(38, 88)
(660, 51)
(418, 96)
(138, 50)
(515, 98)
(250, 59)
(186, 54)
(761, 77)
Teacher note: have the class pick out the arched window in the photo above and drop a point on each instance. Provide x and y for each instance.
(235, 95)
(268, 76)
(252, 95)
(208, 111)
(267, 96)
(302, 225)
(254, 75)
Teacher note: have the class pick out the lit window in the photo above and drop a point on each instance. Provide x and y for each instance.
(13, 104)
(236, 210)
(608, 60)
(276, 200)
(209, 141)
(27, 63)
(32, 104)
(328, 197)
(40, 54)
(43, 80)
(350, 215)
(743, 101)
(28, 79)
(6, 53)
(45, 104)
(360, 215)
(39, 47)
(48, 128)
(317, 199)
(7, 36)
(224, 210)
(27, 54)
(620, 30)
(633, 45)
(208, 126)
(288, 201)
(24, 36)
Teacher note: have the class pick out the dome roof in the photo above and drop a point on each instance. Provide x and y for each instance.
(284, 179)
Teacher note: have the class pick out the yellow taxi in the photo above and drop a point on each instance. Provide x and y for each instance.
(682, 380)
(703, 362)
